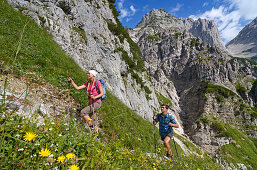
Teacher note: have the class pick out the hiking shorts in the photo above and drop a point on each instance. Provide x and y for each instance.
(88, 111)
(169, 135)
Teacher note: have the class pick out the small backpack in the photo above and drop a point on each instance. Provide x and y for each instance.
(104, 89)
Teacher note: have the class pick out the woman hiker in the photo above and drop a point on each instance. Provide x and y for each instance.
(166, 124)
(94, 101)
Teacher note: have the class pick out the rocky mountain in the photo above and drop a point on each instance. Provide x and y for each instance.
(245, 43)
(81, 28)
(210, 84)
(202, 28)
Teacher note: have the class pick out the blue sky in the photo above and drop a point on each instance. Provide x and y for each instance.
(230, 16)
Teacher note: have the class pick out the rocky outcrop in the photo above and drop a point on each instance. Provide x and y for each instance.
(81, 29)
(202, 28)
(245, 43)
(169, 46)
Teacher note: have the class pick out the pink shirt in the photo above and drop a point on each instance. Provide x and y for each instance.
(94, 91)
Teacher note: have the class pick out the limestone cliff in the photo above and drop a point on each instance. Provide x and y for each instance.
(81, 28)
(210, 84)
(245, 43)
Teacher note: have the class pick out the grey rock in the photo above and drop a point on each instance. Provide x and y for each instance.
(245, 43)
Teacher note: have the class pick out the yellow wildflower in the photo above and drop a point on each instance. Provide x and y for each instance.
(89, 119)
(139, 139)
(61, 159)
(154, 164)
(198, 168)
(130, 159)
(70, 155)
(29, 136)
(73, 167)
(186, 165)
(44, 153)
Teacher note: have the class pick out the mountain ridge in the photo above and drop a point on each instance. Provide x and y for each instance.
(245, 43)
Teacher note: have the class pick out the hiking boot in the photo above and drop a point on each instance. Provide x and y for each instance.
(169, 156)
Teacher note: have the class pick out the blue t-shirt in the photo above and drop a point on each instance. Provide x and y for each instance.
(164, 128)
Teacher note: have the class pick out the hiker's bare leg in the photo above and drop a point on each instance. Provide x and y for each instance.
(86, 118)
(166, 144)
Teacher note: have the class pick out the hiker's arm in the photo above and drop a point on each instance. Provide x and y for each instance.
(173, 125)
(154, 120)
(99, 95)
(75, 86)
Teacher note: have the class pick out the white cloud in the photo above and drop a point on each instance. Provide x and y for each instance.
(205, 4)
(132, 8)
(124, 12)
(229, 18)
(246, 8)
(176, 9)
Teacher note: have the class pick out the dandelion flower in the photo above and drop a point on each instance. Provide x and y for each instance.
(45, 153)
(70, 155)
(198, 168)
(139, 139)
(154, 164)
(73, 167)
(61, 159)
(29, 136)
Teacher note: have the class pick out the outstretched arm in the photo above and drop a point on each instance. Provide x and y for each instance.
(173, 125)
(74, 84)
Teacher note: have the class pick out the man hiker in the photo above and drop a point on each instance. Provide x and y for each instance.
(94, 101)
(166, 122)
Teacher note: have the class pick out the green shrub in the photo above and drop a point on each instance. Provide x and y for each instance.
(163, 100)
(241, 89)
(81, 32)
(219, 90)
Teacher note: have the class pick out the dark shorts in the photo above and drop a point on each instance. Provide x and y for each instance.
(169, 135)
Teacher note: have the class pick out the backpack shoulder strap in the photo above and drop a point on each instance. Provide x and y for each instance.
(169, 115)
(96, 84)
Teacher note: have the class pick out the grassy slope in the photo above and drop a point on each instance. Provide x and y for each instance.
(37, 52)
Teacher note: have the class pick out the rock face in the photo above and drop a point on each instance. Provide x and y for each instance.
(81, 29)
(245, 43)
(207, 80)
(202, 28)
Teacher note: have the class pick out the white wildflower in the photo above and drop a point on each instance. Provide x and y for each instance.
(21, 149)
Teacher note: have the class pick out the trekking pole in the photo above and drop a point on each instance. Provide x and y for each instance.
(68, 109)
(154, 139)
(175, 145)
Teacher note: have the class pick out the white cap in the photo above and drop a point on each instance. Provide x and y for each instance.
(93, 72)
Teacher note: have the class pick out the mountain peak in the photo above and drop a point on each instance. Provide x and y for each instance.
(156, 17)
(203, 28)
(245, 43)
